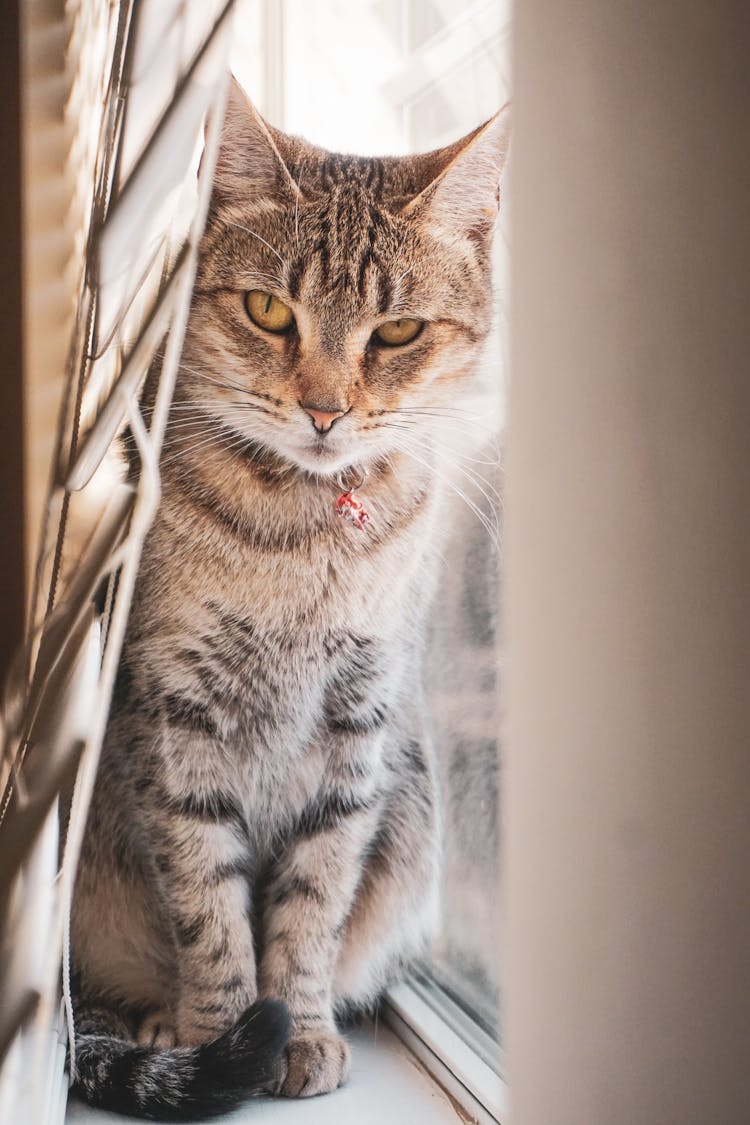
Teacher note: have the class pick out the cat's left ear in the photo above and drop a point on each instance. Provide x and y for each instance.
(464, 197)
(248, 160)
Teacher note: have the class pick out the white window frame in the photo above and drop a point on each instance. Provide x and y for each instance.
(447, 1055)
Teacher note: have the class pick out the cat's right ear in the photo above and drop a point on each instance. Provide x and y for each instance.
(248, 162)
(464, 196)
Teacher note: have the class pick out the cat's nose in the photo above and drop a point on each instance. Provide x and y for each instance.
(322, 419)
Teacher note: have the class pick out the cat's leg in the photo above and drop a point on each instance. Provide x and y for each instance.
(120, 947)
(314, 886)
(200, 861)
(308, 900)
(396, 906)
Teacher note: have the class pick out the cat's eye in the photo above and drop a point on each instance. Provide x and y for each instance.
(268, 312)
(395, 332)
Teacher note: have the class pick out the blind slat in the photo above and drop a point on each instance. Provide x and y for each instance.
(149, 200)
(112, 413)
(128, 241)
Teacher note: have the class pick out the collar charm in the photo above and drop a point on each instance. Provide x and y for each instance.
(349, 506)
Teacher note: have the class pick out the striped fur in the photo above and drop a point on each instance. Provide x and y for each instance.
(264, 825)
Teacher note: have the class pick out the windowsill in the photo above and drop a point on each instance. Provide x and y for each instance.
(387, 1083)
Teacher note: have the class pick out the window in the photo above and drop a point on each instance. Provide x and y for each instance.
(405, 77)
(366, 76)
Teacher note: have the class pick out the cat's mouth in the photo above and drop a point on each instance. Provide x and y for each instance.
(317, 455)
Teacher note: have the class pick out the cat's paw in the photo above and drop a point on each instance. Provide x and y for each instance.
(316, 1063)
(157, 1030)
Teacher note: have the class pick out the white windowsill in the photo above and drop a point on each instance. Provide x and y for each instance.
(387, 1084)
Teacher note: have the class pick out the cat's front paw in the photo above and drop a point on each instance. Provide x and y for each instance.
(316, 1063)
(157, 1030)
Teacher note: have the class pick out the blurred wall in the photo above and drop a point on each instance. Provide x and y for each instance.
(12, 548)
(628, 772)
(38, 285)
(51, 222)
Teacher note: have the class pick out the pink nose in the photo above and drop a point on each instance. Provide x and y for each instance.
(322, 419)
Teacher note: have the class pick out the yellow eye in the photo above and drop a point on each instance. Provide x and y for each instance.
(268, 312)
(395, 332)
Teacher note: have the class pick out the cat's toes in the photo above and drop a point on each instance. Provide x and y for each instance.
(316, 1063)
(157, 1030)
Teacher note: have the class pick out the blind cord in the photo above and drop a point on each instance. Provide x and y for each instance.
(67, 995)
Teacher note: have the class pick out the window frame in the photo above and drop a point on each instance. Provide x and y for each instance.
(448, 1055)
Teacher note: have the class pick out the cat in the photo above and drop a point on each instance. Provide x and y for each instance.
(263, 847)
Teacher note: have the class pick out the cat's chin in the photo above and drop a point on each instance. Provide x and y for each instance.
(319, 461)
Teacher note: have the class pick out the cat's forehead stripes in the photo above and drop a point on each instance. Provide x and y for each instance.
(344, 264)
(331, 171)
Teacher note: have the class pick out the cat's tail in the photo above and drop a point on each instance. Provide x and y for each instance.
(184, 1083)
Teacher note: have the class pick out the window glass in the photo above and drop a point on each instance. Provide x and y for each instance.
(404, 76)
(465, 86)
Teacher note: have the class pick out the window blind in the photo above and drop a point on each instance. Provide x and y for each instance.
(141, 79)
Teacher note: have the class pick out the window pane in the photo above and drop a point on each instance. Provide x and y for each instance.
(458, 78)
(397, 76)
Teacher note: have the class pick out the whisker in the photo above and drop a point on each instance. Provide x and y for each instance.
(462, 460)
(237, 442)
(210, 407)
(184, 428)
(484, 438)
(262, 277)
(186, 424)
(418, 435)
(178, 442)
(487, 489)
(201, 373)
(398, 304)
(209, 403)
(442, 411)
(255, 234)
(296, 208)
(227, 384)
(448, 415)
(489, 526)
(433, 439)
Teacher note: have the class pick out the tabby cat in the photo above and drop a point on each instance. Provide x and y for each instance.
(262, 851)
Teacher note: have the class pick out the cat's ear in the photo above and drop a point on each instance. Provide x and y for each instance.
(463, 198)
(248, 161)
